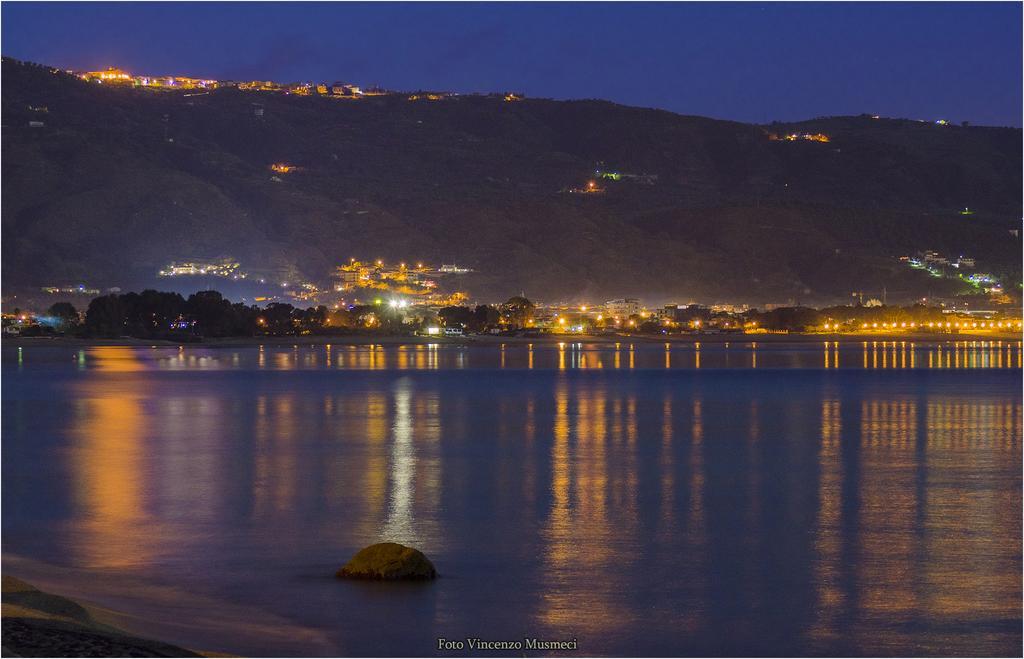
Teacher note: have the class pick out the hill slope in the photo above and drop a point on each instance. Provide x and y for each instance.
(118, 182)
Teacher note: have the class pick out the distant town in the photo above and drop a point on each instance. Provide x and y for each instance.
(336, 89)
(373, 297)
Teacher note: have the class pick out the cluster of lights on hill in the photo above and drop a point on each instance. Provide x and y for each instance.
(116, 76)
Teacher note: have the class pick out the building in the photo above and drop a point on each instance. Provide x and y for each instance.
(174, 82)
(452, 269)
(221, 267)
(70, 290)
(933, 257)
(299, 88)
(684, 313)
(670, 312)
(345, 90)
(111, 76)
(347, 278)
(260, 85)
(623, 307)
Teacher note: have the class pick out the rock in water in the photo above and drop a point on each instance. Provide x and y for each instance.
(388, 561)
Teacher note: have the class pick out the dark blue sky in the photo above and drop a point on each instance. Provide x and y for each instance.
(751, 62)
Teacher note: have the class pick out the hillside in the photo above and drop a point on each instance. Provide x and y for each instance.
(119, 182)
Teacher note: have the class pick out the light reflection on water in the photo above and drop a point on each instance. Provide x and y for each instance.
(653, 499)
(571, 356)
(870, 355)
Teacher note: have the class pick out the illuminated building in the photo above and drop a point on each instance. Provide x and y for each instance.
(225, 267)
(260, 85)
(344, 90)
(72, 290)
(623, 307)
(174, 82)
(453, 269)
(111, 76)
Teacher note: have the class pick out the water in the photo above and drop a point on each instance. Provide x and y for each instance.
(749, 499)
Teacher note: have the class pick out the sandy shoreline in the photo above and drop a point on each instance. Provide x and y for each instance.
(544, 339)
(40, 624)
(184, 616)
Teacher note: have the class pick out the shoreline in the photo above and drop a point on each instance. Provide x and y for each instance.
(149, 611)
(40, 623)
(495, 340)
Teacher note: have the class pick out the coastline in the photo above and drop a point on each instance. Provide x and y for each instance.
(120, 605)
(496, 340)
(39, 623)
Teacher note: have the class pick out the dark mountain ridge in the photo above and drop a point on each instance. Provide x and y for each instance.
(118, 182)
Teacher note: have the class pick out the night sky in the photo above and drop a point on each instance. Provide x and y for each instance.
(751, 62)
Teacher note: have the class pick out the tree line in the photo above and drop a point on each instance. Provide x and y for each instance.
(161, 315)
(155, 314)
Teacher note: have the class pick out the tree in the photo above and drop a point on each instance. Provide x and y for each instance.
(485, 317)
(279, 318)
(364, 315)
(211, 313)
(312, 319)
(105, 316)
(456, 317)
(65, 312)
(152, 313)
(243, 319)
(517, 311)
(797, 319)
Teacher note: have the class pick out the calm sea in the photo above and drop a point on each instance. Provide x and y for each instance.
(852, 498)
